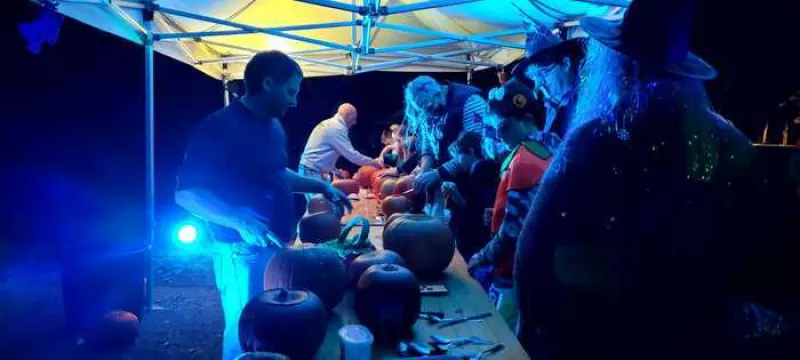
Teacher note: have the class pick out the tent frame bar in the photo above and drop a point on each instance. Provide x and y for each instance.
(365, 16)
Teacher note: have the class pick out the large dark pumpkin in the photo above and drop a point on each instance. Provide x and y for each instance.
(319, 227)
(308, 267)
(289, 322)
(388, 301)
(346, 186)
(425, 243)
(377, 257)
(395, 204)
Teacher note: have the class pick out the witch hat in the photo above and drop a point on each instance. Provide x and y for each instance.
(655, 33)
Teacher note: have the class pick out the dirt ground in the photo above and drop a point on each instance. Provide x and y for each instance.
(187, 323)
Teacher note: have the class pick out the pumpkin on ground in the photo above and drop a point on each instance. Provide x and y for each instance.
(424, 242)
(117, 330)
(289, 322)
(319, 227)
(377, 257)
(346, 186)
(309, 267)
(388, 301)
(394, 204)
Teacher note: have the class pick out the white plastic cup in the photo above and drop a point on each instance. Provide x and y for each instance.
(356, 342)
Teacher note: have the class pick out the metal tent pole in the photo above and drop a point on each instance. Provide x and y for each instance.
(226, 91)
(150, 152)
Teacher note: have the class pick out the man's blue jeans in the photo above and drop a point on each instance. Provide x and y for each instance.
(239, 275)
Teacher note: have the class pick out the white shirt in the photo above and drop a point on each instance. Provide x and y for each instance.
(328, 141)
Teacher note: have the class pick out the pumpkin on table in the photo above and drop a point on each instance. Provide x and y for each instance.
(318, 203)
(284, 321)
(388, 301)
(309, 267)
(387, 187)
(424, 242)
(377, 257)
(346, 186)
(319, 227)
(365, 176)
(394, 204)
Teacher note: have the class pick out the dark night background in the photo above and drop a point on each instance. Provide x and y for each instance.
(73, 116)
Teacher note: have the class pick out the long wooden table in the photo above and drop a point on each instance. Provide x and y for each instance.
(465, 297)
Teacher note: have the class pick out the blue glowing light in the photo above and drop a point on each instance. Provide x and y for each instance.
(187, 234)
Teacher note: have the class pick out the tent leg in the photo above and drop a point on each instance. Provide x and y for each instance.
(150, 155)
(226, 93)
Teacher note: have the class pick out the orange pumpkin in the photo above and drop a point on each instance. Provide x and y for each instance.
(346, 186)
(365, 176)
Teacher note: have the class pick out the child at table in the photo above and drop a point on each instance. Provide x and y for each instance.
(518, 115)
(462, 189)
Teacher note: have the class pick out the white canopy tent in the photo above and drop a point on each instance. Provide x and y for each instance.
(327, 37)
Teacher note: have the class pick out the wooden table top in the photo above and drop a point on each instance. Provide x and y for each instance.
(465, 297)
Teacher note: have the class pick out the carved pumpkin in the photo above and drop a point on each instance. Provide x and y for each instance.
(377, 257)
(425, 243)
(309, 267)
(319, 227)
(347, 186)
(388, 301)
(395, 204)
(274, 320)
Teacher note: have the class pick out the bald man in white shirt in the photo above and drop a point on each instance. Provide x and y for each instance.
(328, 141)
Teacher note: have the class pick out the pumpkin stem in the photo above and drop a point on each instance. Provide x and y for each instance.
(283, 295)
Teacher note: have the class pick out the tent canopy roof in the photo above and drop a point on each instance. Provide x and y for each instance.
(329, 37)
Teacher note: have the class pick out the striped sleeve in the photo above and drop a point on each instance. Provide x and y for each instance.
(474, 110)
(504, 242)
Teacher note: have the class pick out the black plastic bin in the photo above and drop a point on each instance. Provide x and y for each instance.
(100, 277)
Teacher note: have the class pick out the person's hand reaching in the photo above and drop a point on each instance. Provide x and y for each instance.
(475, 262)
(337, 197)
(255, 232)
(425, 180)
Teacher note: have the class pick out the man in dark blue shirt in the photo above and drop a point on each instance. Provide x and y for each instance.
(235, 176)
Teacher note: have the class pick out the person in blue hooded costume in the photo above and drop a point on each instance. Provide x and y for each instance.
(632, 248)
